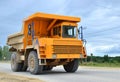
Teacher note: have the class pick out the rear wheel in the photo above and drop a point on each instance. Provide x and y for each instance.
(72, 66)
(15, 66)
(33, 63)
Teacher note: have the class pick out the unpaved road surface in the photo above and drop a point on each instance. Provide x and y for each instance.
(84, 74)
(4, 77)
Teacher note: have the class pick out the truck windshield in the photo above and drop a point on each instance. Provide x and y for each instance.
(69, 32)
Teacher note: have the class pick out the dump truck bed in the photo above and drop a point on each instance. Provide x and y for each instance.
(43, 22)
(16, 40)
(51, 16)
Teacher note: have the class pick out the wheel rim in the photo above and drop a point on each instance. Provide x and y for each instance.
(32, 63)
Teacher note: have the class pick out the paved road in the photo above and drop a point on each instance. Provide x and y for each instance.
(84, 74)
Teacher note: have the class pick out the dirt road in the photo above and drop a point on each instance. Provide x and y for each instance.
(4, 77)
(84, 74)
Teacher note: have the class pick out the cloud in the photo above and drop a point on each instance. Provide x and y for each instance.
(109, 49)
(114, 49)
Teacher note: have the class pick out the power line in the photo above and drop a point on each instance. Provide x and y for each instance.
(104, 30)
(101, 31)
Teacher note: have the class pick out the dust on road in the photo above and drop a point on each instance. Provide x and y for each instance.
(13, 78)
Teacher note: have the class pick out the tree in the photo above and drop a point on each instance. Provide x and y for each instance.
(106, 58)
(117, 58)
(88, 58)
(6, 53)
(99, 59)
(0, 53)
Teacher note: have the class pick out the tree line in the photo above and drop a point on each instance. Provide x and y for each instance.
(4, 53)
(105, 58)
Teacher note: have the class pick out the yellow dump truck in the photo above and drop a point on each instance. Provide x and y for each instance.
(46, 41)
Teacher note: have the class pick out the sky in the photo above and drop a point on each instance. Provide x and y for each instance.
(101, 19)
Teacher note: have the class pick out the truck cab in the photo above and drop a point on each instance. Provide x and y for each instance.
(65, 30)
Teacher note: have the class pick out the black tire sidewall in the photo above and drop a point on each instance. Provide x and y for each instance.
(72, 66)
(15, 66)
(37, 68)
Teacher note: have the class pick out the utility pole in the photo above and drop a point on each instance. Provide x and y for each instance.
(81, 32)
(91, 57)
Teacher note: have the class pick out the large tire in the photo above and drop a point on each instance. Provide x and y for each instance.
(33, 63)
(72, 66)
(47, 68)
(15, 66)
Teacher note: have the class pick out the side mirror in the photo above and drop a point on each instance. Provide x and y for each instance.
(78, 30)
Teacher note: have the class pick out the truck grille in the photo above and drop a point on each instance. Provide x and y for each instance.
(59, 49)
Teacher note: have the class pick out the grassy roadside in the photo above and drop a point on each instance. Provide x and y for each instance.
(1, 61)
(94, 64)
(14, 78)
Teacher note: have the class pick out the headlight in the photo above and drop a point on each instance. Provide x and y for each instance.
(54, 56)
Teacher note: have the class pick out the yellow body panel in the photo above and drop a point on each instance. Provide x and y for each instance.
(68, 56)
(62, 48)
(48, 17)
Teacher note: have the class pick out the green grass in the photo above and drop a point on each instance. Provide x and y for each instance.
(94, 64)
(2, 61)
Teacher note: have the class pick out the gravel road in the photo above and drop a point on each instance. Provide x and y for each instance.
(84, 74)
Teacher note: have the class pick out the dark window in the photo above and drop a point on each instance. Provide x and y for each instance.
(57, 31)
(29, 29)
(69, 32)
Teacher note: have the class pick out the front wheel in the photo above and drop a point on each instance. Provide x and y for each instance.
(72, 66)
(33, 63)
